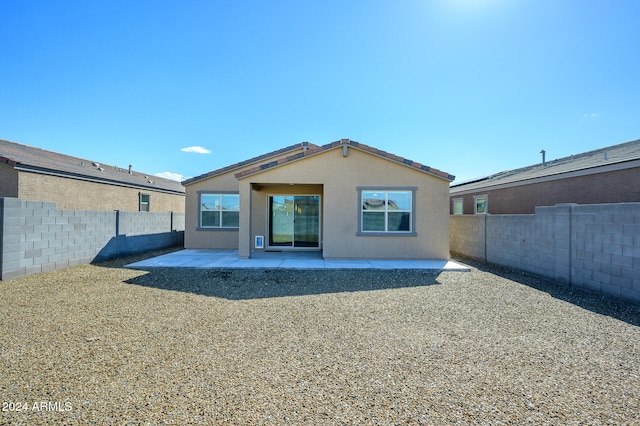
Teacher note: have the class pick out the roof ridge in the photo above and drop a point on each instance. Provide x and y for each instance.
(613, 154)
(347, 142)
(46, 150)
(591, 153)
(111, 166)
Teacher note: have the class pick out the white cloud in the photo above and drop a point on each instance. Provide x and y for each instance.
(591, 115)
(170, 175)
(196, 149)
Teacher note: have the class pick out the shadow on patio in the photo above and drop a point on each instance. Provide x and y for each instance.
(244, 284)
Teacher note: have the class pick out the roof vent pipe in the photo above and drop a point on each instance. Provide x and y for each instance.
(543, 152)
(130, 166)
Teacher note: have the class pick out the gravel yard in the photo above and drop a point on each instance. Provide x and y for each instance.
(100, 344)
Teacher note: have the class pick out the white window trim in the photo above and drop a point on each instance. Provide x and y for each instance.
(475, 203)
(141, 203)
(214, 228)
(411, 233)
(453, 205)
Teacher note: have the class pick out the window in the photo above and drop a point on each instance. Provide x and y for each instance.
(389, 211)
(481, 204)
(458, 206)
(143, 202)
(219, 210)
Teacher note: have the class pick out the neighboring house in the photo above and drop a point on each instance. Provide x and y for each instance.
(345, 199)
(607, 175)
(77, 184)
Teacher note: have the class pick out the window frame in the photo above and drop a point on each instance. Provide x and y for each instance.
(477, 198)
(386, 189)
(141, 203)
(200, 210)
(453, 205)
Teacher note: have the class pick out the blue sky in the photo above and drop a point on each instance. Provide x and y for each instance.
(471, 87)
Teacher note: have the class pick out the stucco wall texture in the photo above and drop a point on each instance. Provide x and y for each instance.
(70, 194)
(336, 179)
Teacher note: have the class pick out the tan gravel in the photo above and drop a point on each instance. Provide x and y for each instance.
(99, 344)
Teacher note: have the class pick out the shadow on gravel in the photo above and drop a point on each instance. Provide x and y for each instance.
(244, 284)
(610, 306)
(119, 262)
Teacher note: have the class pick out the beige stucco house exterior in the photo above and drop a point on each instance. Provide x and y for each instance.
(605, 175)
(345, 199)
(73, 183)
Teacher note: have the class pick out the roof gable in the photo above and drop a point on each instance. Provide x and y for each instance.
(303, 146)
(37, 160)
(587, 161)
(344, 144)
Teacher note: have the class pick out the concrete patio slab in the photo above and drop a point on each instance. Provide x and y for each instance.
(284, 260)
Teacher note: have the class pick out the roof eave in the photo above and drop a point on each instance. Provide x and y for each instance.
(51, 172)
(249, 162)
(9, 161)
(602, 168)
(350, 144)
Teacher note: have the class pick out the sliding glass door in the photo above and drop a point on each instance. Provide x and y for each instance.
(306, 221)
(294, 221)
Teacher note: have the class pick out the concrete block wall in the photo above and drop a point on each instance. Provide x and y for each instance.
(508, 241)
(595, 247)
(143, 231)
(37, 237)
(178, 222)
(468, 236)
(144, 223)
(606, 249)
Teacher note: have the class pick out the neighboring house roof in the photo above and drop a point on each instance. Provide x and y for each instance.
(346, 144)
(241, 164)
(611, 158)
(31, 159)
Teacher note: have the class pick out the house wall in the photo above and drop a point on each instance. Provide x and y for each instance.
(340, 177)
(8, 181)
(37, 237)
(76, 194)
(225, 239)
(195, 238)
(620, 186)
(595, 247)
(259, 204)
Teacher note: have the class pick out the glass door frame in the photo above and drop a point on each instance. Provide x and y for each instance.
(268, 238)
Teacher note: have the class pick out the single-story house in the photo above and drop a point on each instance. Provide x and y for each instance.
(73, 183)
(606, 175)
(345, 199)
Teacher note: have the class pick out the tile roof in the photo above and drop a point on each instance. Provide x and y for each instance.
(353, 144)
(23, 157)
(608, 156)
(235, 166)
